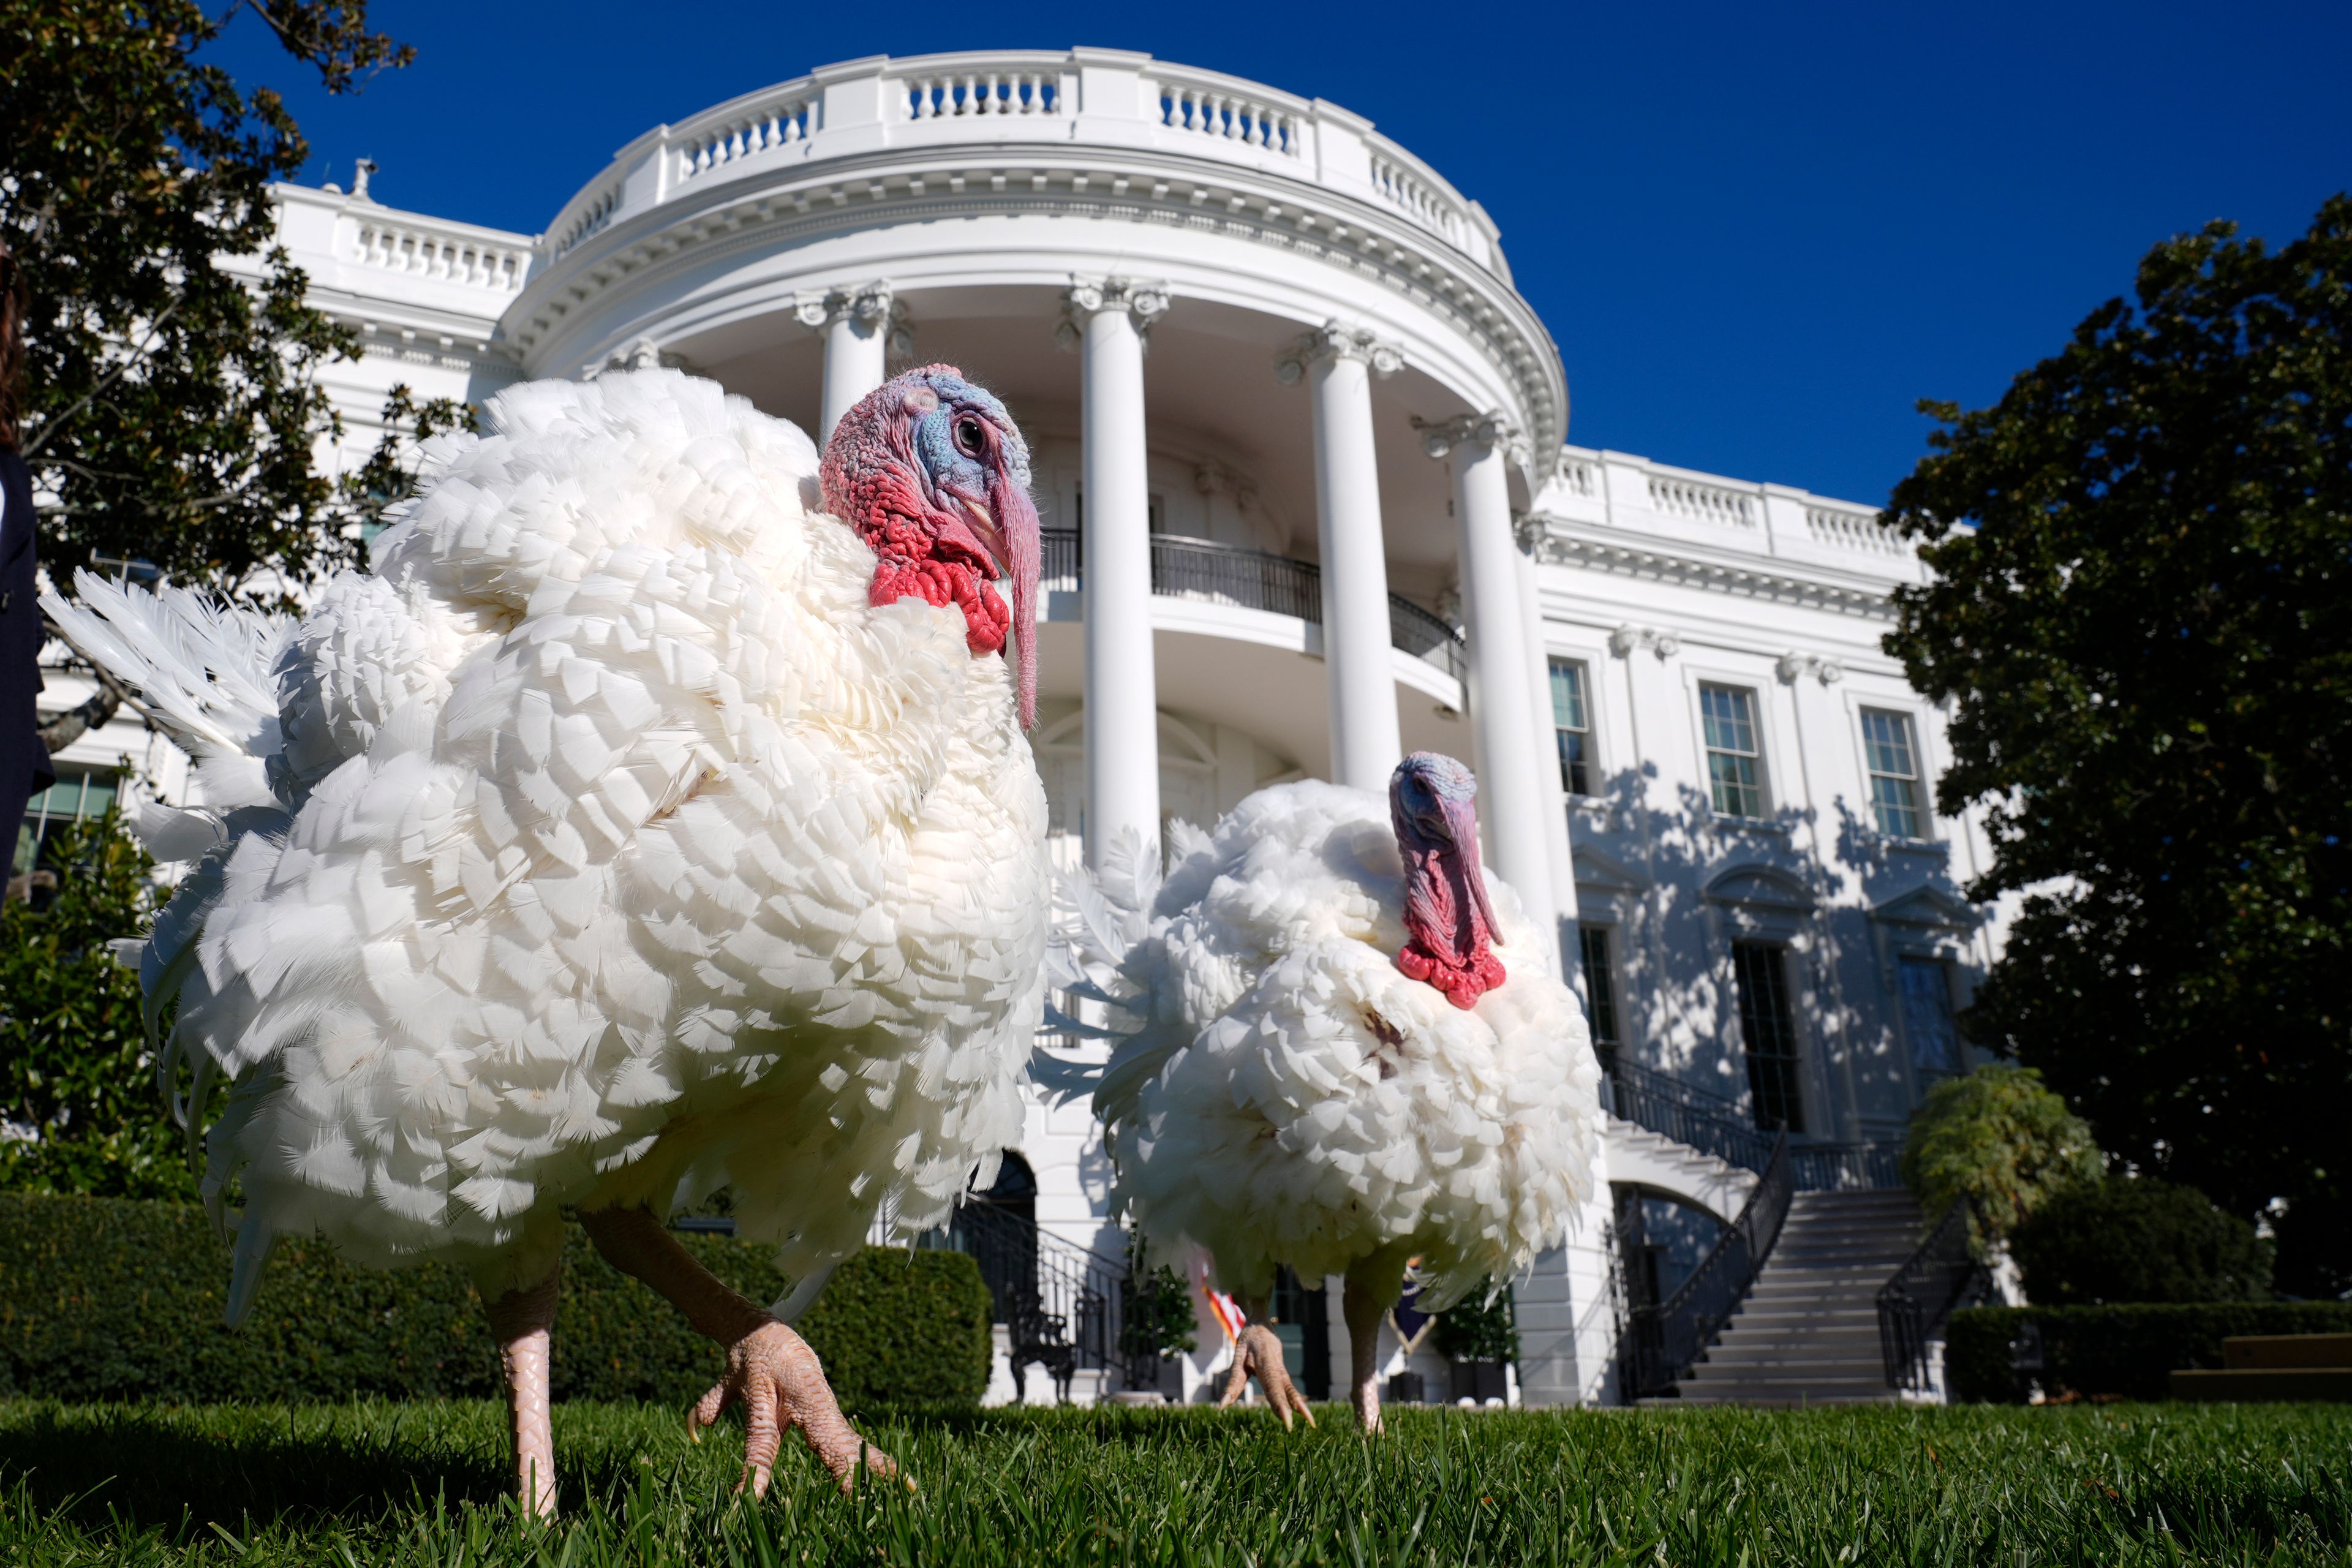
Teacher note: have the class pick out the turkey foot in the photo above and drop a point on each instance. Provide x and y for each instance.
(775, 1375)
(770, 1368)
(1373, 1284)
(1258, 1352)
(522, 1320)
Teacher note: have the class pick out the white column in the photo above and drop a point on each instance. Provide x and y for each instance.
(1529, 534)
(858, 322)
(1510, 790)
(1337, 363)
(1121, 687)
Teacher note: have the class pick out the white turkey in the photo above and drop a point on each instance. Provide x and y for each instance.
(1335, 1048)
(634, 827)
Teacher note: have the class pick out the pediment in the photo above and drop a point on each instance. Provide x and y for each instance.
(1930, 906)
(1601, 873)
(1761, 887)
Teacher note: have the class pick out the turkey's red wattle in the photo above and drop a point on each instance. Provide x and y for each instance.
(1448, 942)
(904, 531)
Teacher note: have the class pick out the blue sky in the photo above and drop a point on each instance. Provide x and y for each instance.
(1759, 233)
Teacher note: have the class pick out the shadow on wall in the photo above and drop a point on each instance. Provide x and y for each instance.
(1681, 885)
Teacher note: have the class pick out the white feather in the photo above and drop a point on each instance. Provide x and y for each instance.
(1258, 1112)
(620, 849)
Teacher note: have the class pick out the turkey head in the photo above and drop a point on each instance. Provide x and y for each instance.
(1449, 924)
(933, 473)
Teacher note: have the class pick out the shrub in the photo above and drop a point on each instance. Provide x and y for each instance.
(1999, 1137)
(1477, 1327)
(1160, 1321)
(2139, 1239)
(107, 1298)
(74, 1064)
(2128, 1352)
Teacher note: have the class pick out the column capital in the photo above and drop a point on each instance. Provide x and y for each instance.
(1338, 339)
(1626, 639)
(1144, 299)
(1492, 430)
(873, 304)
(1793, 667)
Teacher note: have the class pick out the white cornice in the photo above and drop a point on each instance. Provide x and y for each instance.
(765, 208)
(1565, 543)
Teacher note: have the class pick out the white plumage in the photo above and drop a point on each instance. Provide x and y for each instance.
(604, 844)
(1279, 1092)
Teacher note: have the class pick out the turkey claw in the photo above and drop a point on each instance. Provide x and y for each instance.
(774, 1375)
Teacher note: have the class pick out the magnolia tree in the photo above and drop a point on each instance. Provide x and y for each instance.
(2140, 613)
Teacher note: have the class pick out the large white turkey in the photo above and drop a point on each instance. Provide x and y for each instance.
(1335, 1047)
(632, 828)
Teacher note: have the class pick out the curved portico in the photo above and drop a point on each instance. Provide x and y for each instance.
(1230, 337)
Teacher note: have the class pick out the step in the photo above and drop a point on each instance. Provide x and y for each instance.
(2264, 1383)
(1792, 1361)
(2245, 1352)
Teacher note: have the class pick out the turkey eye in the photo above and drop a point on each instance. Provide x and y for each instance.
(968, 436)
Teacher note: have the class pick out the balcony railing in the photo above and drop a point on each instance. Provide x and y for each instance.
(1715, 1125)
(1199, 569)
(1055, 96)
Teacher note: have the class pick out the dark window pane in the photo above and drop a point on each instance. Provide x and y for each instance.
(1927, 1016)
(1600, 987)
(1769, 1030)
(1573, 776)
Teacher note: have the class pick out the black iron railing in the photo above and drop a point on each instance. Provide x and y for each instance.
(1913, 1306)
(1063, 1308)
(1663, 1342)
(1715, 1124)
(1184, 568)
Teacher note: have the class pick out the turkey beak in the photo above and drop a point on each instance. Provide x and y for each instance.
(1013, 534)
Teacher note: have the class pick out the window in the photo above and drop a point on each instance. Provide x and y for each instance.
(1926, 987)
(1599, 988)
(1571, 726)
(1893, 765)
(75, 797)
(1768, 1031)
(1735, 765)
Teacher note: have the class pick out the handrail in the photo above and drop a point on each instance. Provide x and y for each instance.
(1063, 1306)
(1714, 1124)
(1663, 1341)
(1915, 1304)
(1202, 569)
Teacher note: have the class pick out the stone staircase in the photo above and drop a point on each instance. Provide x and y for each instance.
(1808, 1332)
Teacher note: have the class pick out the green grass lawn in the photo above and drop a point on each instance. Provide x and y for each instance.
(425, 1483)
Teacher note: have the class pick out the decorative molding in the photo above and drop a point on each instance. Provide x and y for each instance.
(873, 303)
(1214, 478)
(1658, 562)
(1473, 300)
(1338, 339)
(1528, 531)
(1492, 429)
(642, 354)
(1794, 667)
(1603, 874)
(1626, 639)
(1928, 907)
(1144, 300)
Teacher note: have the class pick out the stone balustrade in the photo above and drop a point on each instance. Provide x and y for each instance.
(452, 255)
(1100, 98)
(1630, 496)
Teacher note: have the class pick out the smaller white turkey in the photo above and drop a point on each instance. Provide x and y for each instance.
(1333, 1046)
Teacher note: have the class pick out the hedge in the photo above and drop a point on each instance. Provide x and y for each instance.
(113, 1298)
(2128, 1352)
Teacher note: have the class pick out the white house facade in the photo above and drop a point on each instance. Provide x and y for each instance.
(1301, 456)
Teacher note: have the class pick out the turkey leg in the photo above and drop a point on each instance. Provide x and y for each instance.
(769, 1369)
(1258, 1352)
(523, 1322)
(1373, 1284)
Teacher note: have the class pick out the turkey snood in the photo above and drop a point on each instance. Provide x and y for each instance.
(931, 472)
(1449, 925)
